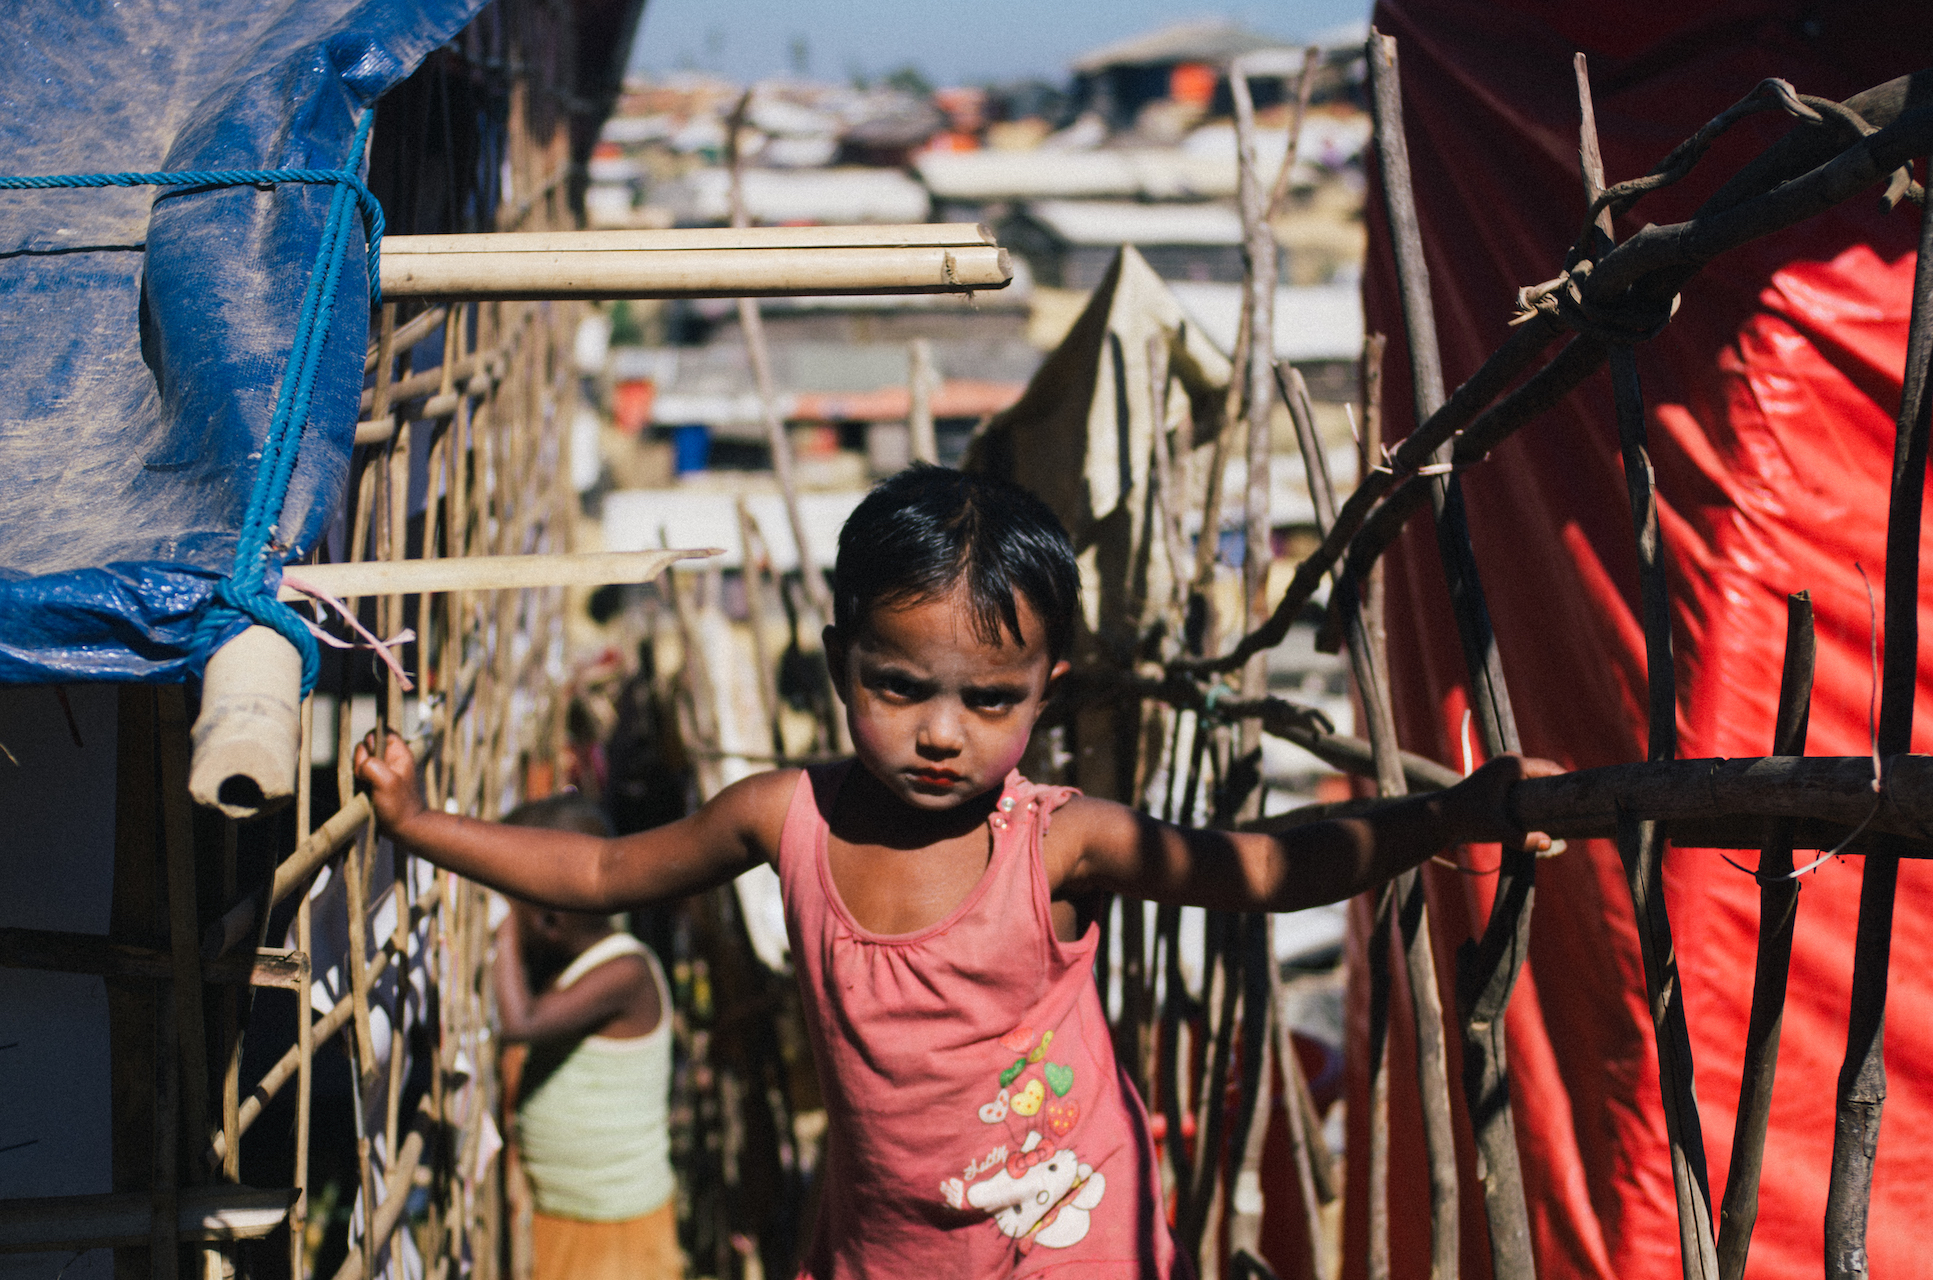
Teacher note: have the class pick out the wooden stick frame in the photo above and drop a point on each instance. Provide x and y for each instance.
(1775, 804)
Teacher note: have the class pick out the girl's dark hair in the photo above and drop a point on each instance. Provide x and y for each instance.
(928, 527)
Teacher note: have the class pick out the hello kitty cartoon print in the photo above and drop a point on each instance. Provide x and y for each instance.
(1041, 1192)
(978, 1123)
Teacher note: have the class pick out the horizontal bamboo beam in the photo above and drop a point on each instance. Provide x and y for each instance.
(901, 235)
(120, 1219)
(484, 573)
(53, 951)
(710, 262)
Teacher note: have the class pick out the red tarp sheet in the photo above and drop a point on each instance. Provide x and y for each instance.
(1770, 401)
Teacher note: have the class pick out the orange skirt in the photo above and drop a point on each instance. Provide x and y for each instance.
(644, 1248)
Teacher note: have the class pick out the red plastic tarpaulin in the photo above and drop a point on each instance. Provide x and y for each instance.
(1770, 403)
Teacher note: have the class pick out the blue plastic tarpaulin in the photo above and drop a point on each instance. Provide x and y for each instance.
(144, 331)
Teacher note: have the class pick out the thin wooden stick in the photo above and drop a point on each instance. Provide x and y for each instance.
(1303, 1137)
(1490, 966)
(1862, 1077)
(753, 327)
(1304, 85)
(757, 564)
(1489, 697)
(1778, 912)
(1765, 200)
(177, 821)
(384, 367)
(1246, 1194)
(1641, 842)
(1170, 497)
(1372, 683)
(1199, 1218)
(1381, 933)
(164, 1257)
(1258, 283)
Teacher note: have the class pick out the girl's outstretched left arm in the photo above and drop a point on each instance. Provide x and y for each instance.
(1099, 846)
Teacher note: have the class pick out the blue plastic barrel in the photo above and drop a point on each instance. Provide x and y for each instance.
(691, 447)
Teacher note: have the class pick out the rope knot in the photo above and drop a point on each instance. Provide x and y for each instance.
(1619, 323)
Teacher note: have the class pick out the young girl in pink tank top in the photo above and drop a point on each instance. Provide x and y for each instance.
(979, 1124)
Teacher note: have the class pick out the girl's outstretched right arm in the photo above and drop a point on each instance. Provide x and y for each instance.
(733, 832)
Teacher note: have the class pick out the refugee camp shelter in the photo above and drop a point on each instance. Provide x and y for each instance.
(168, 345)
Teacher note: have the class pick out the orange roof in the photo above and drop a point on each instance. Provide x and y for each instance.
(955, 398)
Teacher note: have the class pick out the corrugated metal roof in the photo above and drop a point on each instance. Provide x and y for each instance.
(1163, 173)
(1203, 40)
(635, 519)
(822, 381)
(804, 195)
(1322, 322)
(1107, 222)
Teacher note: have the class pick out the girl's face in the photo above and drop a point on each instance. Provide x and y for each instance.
(939, 715)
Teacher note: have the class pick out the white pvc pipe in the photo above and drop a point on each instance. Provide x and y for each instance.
(248, 734)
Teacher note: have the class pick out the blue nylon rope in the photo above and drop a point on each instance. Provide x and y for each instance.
(245, 592)
(372, 210)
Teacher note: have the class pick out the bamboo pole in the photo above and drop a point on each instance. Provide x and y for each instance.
(243, 761)
(921, 380)
(39, 1224)
(304, 1032)
(356, 887)
(383, 1216)
(231, 1032)
(1778, 912)
(1862, 1077)
(290, 1064)
(483, 573)
(906, 235)
(520, 274)
(406, 335)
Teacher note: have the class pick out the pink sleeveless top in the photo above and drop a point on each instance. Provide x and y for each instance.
(978, 1123)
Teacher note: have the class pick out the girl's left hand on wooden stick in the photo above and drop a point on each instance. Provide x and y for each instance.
(391, 778)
